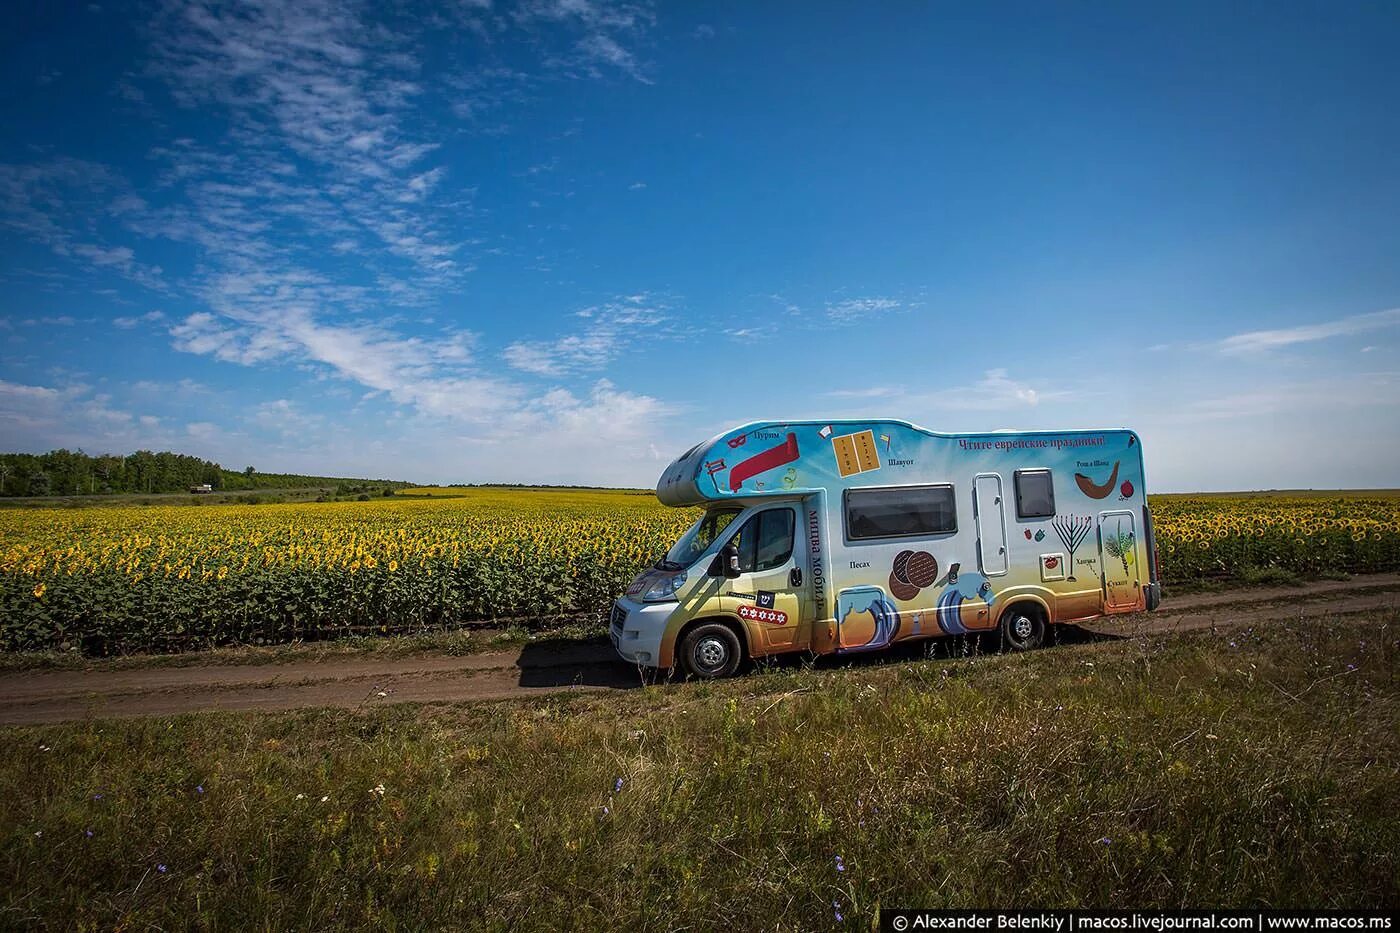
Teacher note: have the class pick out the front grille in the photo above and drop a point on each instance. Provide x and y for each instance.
(619, 616)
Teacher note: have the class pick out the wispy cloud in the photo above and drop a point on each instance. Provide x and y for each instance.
(606, 30)
(286, 418)
(1336, 393)
(73, 415)
(435, 375)
(316, 208)
(1259, 341)
(67, 205)
(609, 329)
(854, 309)
(995, 391)
(127, 323)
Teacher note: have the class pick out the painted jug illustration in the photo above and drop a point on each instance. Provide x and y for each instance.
(969, 587)
(866, 618)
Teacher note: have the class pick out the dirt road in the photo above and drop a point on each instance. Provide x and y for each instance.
(56, 696)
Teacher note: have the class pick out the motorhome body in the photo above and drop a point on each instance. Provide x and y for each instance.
(847, 536)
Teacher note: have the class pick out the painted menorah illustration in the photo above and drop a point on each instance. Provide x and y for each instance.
(1072, 530)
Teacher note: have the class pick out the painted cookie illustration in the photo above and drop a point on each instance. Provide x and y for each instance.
(922, 570)
(901, 567)
(901, 589)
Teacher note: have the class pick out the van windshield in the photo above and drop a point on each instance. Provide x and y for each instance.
(697, 539)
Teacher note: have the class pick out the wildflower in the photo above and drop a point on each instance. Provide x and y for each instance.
(1351, 667)
(88, 833)
(39, 590)
(38, 834)
(161, 868)
(44, 748)
(377, 790)
(1104, 841)
(199, 788)
(381, 694)
(96, 796)
(301, 796)
(617, 786)
(1233, 645)
(836, 909)
(840, 863)
(326, 798)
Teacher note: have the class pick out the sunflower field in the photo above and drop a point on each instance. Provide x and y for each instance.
(131, 578)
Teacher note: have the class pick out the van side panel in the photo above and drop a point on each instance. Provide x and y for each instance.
(1050, 547)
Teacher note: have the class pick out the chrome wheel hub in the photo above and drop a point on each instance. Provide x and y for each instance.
(711, 653)
(1022, 627)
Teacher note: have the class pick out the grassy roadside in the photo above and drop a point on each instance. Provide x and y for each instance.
(1234, 768)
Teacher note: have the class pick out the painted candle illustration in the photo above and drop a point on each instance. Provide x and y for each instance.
(1120, 545)
(1072, 530)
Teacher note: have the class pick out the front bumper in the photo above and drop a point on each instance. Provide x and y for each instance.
(636, 630)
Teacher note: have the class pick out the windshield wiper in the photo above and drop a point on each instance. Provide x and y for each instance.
(664, 564)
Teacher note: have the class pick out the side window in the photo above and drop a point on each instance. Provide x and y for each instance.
(900, 512)
(765, 541)
(1035, 494)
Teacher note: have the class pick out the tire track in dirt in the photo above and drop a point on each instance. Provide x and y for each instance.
(35, 697)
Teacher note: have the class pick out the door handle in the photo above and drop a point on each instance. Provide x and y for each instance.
(795, 577)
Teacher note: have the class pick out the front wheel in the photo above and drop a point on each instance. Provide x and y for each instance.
(1022, 628)
(710, 651)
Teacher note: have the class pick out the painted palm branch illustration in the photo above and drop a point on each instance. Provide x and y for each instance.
(1120, 545)
(1072, 530)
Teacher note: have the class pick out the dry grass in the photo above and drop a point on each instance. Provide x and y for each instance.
(1229, 769)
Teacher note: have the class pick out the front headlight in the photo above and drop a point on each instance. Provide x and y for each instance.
(664, 589)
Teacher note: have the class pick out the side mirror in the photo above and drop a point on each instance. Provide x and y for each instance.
(726, 562)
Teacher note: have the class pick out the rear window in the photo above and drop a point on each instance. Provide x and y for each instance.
(900, 512)
(1035, 494)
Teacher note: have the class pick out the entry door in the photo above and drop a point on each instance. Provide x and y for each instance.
(771, 586)
(991, 523)
(1120, 558)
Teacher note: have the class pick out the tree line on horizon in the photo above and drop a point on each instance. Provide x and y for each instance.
(74, 473)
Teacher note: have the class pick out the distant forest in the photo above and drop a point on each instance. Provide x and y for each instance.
(74, 473)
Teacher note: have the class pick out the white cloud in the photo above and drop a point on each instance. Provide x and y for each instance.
(995, 391)
(284, 417)
(605, 29)
(855, 309)
(36, 418)
(150, 317)
(63, 204)
(320, 216)
(611, 329)
(1258, 341)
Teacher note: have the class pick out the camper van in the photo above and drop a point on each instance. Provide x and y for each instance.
(848, 536)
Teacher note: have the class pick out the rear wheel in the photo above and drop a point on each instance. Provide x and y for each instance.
(710, 651)
(1022, 627)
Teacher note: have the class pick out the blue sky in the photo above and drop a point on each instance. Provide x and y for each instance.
(564, 240)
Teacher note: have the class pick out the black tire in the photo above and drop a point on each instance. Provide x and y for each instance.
(1022, 627)
(710, 651)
